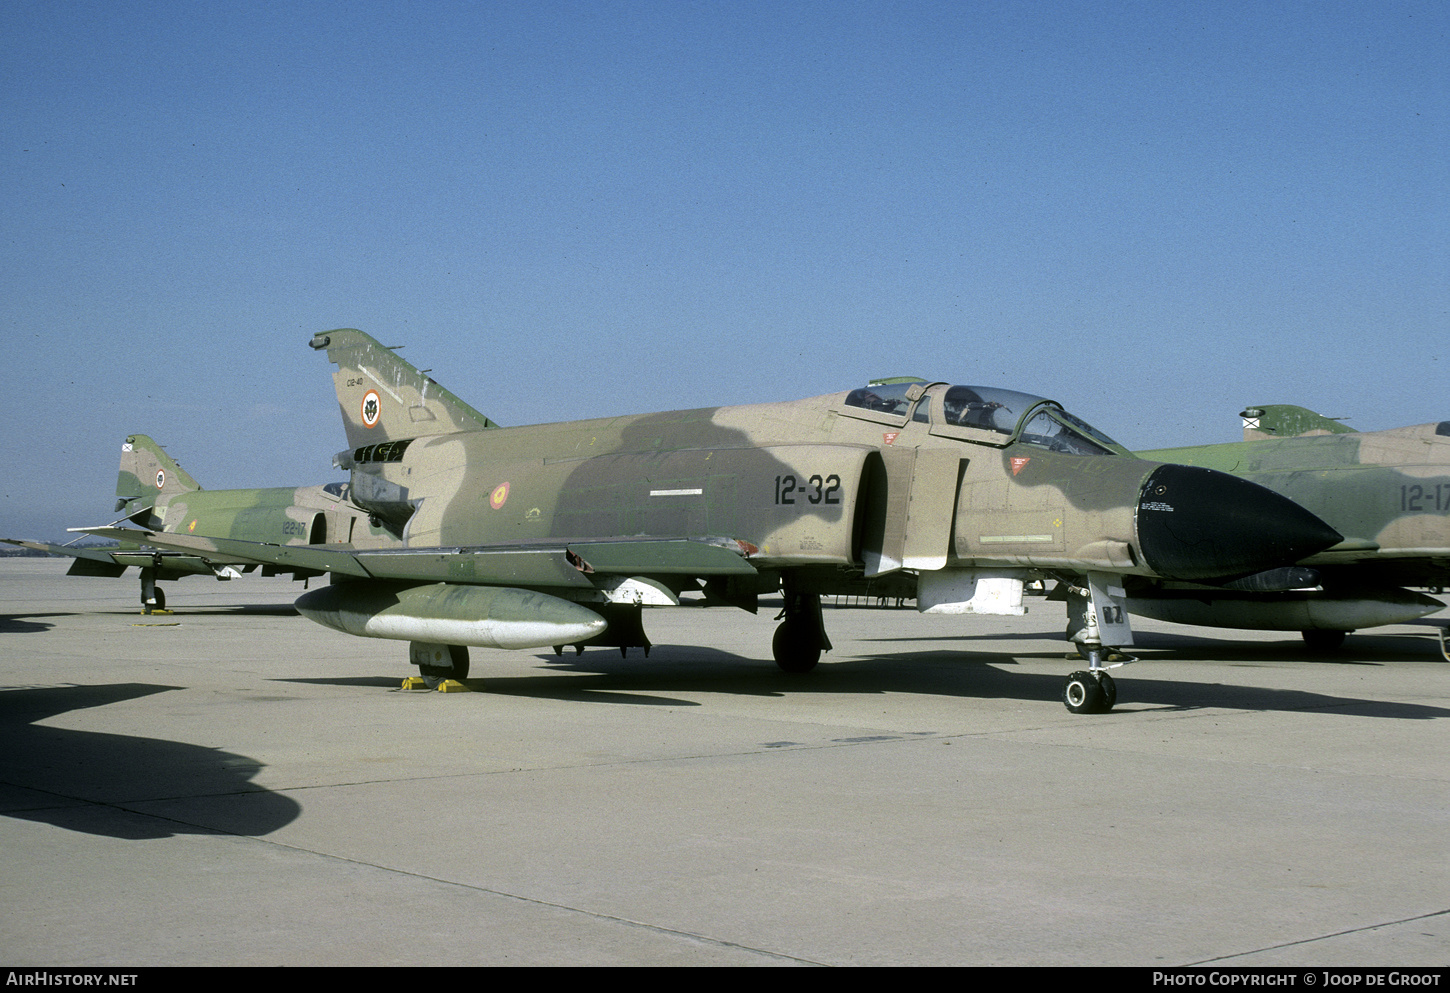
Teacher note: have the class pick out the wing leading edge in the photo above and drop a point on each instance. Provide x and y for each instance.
(566, 564)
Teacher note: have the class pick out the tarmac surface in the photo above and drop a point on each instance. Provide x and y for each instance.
(231, 784)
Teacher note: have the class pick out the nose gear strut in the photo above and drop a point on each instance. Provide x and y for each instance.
(1092, 612)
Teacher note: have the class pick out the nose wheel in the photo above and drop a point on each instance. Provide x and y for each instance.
(1090, 692)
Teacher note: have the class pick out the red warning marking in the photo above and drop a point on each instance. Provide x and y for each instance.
(1018, 461)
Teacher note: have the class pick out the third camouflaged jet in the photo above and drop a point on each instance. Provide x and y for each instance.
(1387, 492)
(558, 534)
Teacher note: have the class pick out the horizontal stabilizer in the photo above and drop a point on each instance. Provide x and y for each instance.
(70, 551)
(112, 562)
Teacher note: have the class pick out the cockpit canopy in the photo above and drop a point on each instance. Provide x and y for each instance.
(984, 413)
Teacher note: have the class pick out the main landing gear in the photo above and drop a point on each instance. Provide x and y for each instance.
(153, 598)
(438, 662)
(801, 636)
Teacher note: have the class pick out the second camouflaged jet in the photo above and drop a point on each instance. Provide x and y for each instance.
(154, 492)
(558, 534)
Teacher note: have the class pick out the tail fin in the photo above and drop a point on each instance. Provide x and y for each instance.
(383, 398)
(1284, 420)
(147, 473)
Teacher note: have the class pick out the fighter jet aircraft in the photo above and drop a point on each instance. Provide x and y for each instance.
(558, 534)
(1387, 492)
(154, 492)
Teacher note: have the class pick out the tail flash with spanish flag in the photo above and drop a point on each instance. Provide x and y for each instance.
(383, 398)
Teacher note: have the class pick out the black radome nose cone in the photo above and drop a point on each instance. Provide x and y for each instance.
(1201, 524)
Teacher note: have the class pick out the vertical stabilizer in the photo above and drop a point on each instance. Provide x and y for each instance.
(383, 398)
(148, 473)
(1284, 420)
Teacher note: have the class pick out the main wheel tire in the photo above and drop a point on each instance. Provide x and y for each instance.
(434, 675)
(795, 647)
(1083, 694)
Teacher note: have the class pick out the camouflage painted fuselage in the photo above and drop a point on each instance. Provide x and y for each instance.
(304, 515)
(806, 483)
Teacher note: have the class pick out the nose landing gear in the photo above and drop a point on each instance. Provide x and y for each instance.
(1093, 613)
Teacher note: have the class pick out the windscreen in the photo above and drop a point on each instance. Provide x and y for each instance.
(1056, 430)
(1034, 420)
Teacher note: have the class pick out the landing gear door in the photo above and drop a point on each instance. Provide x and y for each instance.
(1110, 607)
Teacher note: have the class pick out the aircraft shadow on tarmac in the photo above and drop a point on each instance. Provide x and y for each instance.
(34, 623)
(94, 782)
(231, 610)
(602, 676)
(25, 624)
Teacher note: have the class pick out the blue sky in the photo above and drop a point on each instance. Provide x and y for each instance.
(1157, 213)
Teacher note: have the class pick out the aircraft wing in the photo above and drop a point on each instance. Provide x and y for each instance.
(544, 564)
